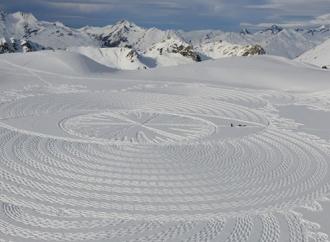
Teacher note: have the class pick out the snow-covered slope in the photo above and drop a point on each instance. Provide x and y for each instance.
(267, 72)
(223, 150)
(319, 56)
(117, 57)
(60, 62)
(169, 52)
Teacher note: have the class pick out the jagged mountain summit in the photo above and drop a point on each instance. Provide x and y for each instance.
(285, 41)
(22, 32)
(128, 34)
(121, 45)
(49, 35)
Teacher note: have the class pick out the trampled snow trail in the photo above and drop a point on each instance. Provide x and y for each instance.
(174, 162)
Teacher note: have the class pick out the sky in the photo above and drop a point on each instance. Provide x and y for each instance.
(171, 14)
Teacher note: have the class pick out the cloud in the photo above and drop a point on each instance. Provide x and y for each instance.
(82, 7)
(282, 8)
(185, 14)
(314, 22)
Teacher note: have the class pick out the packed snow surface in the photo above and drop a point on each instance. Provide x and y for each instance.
(202, 152)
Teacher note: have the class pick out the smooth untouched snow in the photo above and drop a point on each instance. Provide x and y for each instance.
(319, 56)
(199, 152)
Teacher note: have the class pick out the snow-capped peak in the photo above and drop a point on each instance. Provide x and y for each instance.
(274, 29)
(24, 17)
(124, 24)
(156, 44)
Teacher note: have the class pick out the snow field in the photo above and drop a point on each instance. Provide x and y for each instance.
(153, 161)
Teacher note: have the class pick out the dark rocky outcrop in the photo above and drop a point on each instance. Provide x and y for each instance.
(274, 29)
(254, 50)
(7, 46)
(132, 55)
(14, 45)
(186, 51)
(245, 31)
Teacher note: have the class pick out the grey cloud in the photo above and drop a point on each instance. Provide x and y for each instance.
(186, 14)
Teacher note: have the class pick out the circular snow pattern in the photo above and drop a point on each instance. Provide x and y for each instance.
(138, 127)
(135, 166)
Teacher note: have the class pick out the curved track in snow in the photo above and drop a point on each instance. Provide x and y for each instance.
(153, 163)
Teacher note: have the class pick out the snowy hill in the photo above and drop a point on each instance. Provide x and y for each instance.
(117, 57)
(61, 63)
(169, 52)
(261, 72)
(319, 56)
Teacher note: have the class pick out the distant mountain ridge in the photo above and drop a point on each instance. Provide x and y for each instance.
(154, 47)
(276, 40)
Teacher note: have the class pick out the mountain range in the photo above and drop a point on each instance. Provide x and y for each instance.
(125, 45)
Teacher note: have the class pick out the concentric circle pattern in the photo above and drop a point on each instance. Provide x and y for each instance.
(138, 127)
(139, 165)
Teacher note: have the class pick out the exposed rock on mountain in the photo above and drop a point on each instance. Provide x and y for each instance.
(245, 31)
(274, 29)
(13, 45)
(250, 50)
(185, 50)
(220, 49)
(172, 51)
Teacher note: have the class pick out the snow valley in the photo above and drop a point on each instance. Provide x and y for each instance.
(122, 133)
